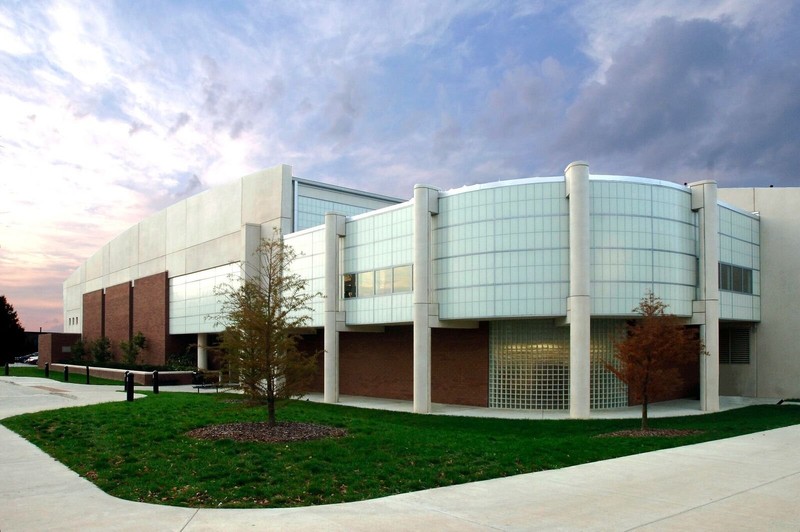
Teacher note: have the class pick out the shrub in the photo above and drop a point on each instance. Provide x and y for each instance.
(101, 350)
(130, 350)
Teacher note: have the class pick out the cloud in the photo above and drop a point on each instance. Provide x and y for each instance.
(686, 98)
(180, 121)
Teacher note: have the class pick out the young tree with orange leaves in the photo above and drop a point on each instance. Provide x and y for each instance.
(655, 348)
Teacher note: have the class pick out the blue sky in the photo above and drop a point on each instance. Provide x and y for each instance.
(110, 111)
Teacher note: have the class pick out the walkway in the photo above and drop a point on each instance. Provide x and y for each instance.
(745, 483)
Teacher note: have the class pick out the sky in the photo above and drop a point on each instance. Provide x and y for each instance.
(113, 110)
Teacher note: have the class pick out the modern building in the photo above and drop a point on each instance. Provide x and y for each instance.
(503, 295)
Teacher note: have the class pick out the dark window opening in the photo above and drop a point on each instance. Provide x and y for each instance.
(735, 279)
(734, 346)
(349, 285)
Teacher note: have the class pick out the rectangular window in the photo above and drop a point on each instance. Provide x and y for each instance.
(735, 279)
(366, 284)
(724, 276)
(383, 281)
(349, 285)
(737, 285)
(402, 281)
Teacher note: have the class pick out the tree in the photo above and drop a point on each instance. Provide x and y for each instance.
(12, 335)
(130, 350)
(261, 313)
(653, 351)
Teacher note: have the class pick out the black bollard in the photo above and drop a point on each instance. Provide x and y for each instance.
(47, 370)
(125, 381)
(129, 388)
(155, 381)
(6, 369)
(66, 373)
(87, 374)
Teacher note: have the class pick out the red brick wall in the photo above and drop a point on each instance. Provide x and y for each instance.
(460, 366)
(118, 316)
(51, 347)
(382, 364)
(93, 313)
(377, 364)
(151, 317)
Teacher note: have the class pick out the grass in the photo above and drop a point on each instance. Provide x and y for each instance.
(76, 377)
(139, 451)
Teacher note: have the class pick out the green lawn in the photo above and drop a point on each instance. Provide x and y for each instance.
(77, 377)
(139, 450)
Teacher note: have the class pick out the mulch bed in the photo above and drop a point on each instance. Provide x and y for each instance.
(261, 431)
(649, 433)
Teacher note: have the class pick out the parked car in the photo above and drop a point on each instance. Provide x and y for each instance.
(33, 358)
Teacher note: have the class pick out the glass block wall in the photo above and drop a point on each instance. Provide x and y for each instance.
(643, 238)
(606, 391)
(739, 246)
(502, 250)
(529, 365)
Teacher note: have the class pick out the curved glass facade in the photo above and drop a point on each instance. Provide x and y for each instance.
(502, 251)
(643, 238)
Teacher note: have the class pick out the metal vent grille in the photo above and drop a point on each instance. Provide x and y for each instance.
(734, 346)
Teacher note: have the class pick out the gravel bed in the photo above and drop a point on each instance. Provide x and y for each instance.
(280, 432)
(650, 433)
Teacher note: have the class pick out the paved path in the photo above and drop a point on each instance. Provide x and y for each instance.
(746, 483)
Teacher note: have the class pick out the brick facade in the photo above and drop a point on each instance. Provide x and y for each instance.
(93, 315)
(151, 317)
(377, 364)
(53, 347)
(460, 366)
(118, 319)
(382, 364)
(122, 310)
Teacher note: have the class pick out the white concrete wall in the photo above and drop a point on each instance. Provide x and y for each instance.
(775, 361)
(198, 233)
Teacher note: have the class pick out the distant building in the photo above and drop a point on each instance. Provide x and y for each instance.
(503, 295)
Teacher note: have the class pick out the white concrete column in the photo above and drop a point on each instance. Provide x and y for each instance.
(334, 229)
(704, 201)
(202, 351)
(251, 239)
(579, 302)
(426, 202)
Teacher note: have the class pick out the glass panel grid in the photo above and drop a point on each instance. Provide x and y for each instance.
(311, 211)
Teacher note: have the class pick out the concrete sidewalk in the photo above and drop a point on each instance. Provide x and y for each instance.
(746, 483)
